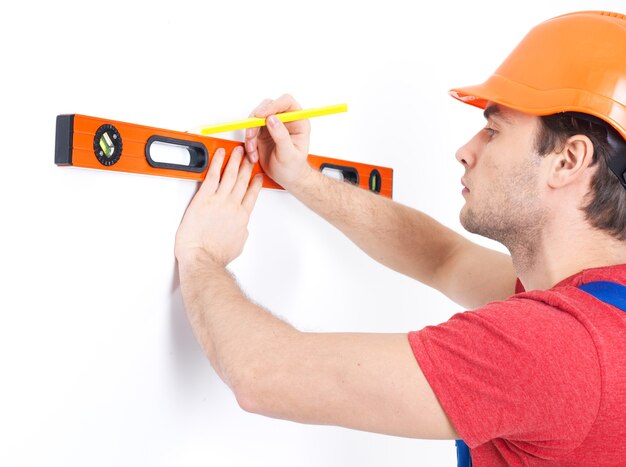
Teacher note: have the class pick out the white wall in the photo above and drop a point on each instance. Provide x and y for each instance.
(98, 364)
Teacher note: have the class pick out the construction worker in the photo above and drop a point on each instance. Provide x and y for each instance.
(534, 373)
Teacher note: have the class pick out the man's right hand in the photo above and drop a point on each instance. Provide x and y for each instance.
(281, 148)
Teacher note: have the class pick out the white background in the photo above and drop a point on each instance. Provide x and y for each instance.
(98, 364)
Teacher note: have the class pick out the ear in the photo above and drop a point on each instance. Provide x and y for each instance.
(570, 165)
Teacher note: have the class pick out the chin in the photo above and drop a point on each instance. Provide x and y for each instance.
(475, 223)
(464, 216)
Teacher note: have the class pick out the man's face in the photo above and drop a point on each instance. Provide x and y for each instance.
(503, 189)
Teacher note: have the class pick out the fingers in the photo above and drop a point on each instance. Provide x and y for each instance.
(252, 193)
(284, 103)
(243, 180)
(279, 134)
(229, 177)
(262, 105)
(251, 144)
(252, 133)
(212, 179)
(236, 180)
(267, 107)
(260, 110)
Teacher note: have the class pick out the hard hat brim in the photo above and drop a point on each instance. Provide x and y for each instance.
(540, 102)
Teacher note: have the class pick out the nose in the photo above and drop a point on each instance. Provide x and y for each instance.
(466, 154)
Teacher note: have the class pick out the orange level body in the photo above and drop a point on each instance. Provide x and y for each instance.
(98, 143)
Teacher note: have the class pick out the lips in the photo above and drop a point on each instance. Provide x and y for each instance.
(464, 183)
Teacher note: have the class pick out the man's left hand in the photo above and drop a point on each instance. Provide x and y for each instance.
(214, 228)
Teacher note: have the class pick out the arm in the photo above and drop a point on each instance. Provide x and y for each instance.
(397, 236)
(364, 381)
(368, 382)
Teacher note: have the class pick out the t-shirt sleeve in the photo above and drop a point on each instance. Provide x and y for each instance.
(518, 370)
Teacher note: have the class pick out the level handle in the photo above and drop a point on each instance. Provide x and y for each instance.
(197, 153)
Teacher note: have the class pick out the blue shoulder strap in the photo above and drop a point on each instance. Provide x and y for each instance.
(463, 458)
(607, 292)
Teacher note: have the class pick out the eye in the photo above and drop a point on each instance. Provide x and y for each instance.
(490, 132)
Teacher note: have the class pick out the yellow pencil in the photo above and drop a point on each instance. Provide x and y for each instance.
(283, 117)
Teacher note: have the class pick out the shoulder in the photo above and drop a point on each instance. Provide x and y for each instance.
(536, 317)
(520, 364)
(513, 335)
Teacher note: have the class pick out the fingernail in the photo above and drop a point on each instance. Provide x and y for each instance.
(238, 150)
(272, 121)
(249, 133)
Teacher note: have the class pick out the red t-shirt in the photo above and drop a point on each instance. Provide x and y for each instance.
(537, 379)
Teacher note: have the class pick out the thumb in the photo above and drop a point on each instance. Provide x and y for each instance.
(279, 134)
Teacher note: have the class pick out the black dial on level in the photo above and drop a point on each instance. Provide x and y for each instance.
(107, 145)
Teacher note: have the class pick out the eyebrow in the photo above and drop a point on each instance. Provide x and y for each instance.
(494, 110)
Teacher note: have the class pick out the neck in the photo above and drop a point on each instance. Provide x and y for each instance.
(561, 252)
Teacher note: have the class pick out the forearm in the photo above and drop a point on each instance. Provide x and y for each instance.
(395, 235)
(235, 333)
(363, 381)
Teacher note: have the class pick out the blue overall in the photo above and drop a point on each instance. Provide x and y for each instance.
(608, 292)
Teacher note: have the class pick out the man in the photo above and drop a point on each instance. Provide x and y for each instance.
(525, 378)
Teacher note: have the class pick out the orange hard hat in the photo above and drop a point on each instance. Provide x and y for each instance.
(574, 62)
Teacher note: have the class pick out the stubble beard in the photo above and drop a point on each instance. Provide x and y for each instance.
(511, 215)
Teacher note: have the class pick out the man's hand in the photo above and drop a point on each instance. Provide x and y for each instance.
(214, 227)
(281, 148)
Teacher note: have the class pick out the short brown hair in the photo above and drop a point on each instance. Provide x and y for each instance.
(606, 205)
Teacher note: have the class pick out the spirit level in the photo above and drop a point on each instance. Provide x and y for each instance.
(98, 143)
